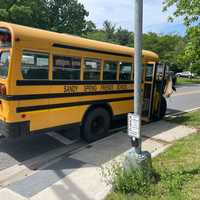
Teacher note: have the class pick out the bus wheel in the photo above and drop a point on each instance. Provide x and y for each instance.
(95, 124)
(163, 107)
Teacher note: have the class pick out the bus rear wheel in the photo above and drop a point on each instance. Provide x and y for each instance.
(95, 125)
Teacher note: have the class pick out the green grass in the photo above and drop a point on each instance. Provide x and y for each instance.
(179, 171)
(188, 81)
(189, 119)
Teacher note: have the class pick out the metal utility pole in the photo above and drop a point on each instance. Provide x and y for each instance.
(136, 155)
(134, 119)
(138, 67)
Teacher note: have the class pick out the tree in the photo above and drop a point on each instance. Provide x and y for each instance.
(168, 47)
(67, 16)
(192, 49)
(190, 11)
(109, 29)
(90, 27)
(107, 34)
(97, 35)
(30, 13)
(124, 37)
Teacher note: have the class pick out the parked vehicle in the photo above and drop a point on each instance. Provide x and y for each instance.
(186, 74)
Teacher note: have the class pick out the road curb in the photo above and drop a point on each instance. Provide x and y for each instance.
(181, 113)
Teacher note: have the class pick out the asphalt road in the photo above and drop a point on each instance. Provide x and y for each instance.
(13, 152)
(186, 97)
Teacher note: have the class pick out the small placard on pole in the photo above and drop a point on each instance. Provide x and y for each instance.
(134, 125)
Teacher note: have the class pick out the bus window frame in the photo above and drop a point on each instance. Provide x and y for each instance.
(118, 70)
(64, 55)
(100, 71)
(132, 70)
(36, 52)
(117, 62)
(10, 50)
(11, 38)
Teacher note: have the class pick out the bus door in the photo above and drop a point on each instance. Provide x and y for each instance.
(148, 91)
(158, 103)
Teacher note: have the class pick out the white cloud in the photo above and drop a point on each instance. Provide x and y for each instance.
(121, 13)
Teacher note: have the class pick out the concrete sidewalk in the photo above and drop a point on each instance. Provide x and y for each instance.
(78, 177)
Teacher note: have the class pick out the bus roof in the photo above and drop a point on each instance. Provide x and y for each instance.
(24, 32)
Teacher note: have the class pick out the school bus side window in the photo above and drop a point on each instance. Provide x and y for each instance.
(92, 68)
(125, 71)
(110, 70)
(66, 68)
(149, 72)
(35, 65)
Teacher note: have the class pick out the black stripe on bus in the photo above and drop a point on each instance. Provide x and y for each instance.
(63, 46)
(72, 104)
(62, 95)
(63, 82)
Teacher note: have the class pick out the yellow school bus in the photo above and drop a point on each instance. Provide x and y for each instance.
(49, 81)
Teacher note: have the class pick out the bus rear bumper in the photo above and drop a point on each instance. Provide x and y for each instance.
(14, 130)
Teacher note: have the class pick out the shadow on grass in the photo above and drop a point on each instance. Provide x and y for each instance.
(195, 171)
(182, 119)
(189, 119)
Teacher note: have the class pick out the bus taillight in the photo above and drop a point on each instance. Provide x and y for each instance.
(2, 89)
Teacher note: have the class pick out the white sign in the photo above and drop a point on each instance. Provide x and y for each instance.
(133, 125)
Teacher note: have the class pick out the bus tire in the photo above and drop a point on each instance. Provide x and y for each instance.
(95, 125)
(163, 107)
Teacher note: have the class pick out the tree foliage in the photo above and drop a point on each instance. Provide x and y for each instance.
(169, 47)
(192, 49)
(90, 27)
(66, 16)
(109, 30)
(190, 11)
(110, 33)
(124, 37)
(69, 16)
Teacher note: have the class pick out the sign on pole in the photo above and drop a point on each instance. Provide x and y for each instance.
(134, 125)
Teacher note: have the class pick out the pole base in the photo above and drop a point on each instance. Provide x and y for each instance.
(133, 159)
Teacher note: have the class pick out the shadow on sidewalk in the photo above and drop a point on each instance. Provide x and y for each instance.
(94, 155)
(20, 150)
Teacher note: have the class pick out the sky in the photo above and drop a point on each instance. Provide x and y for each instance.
(120, 12)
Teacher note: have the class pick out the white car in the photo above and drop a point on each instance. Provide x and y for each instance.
(186, 74)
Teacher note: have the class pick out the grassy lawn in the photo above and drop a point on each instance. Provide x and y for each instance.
(188, 81)
(178, 169)
(189, 119)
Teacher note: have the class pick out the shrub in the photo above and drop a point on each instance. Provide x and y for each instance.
(130, 180)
